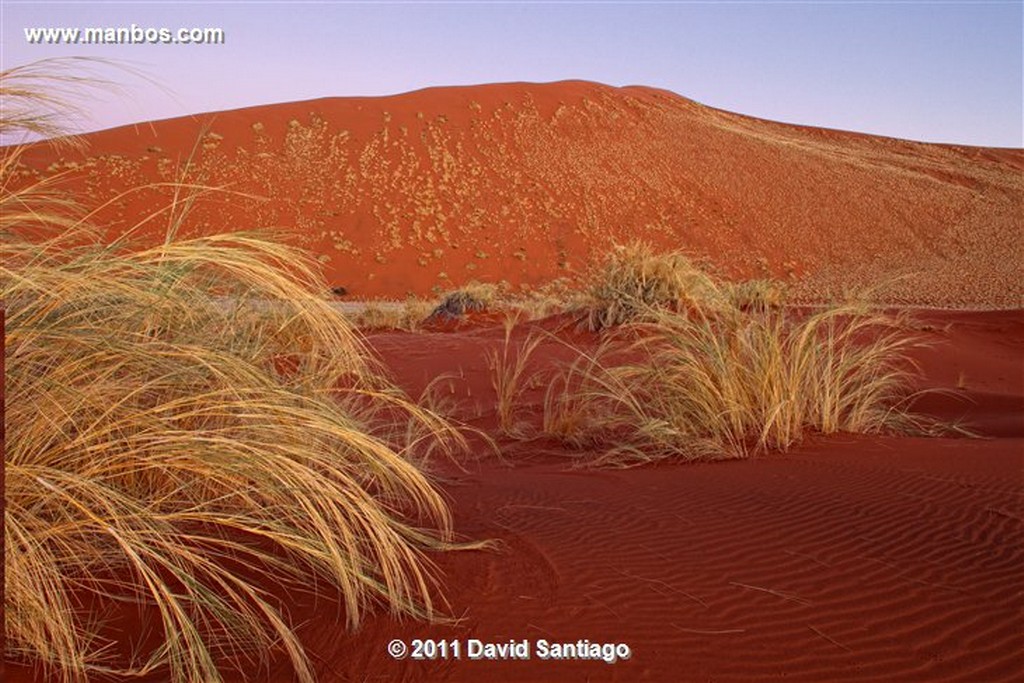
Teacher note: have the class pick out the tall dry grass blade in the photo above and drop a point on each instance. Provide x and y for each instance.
(192, 424)
(508, 370)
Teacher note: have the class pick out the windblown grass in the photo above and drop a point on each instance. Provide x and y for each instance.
(43, 99)
(634, 279)
(192, 424)
(569, 414)
(152, 425)
(508, 370)
(729, 382)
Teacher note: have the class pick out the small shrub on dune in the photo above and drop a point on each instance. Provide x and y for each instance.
(473, 298)
(160, 451)
(725, 386)
(414, 313)
(756, 295)
(634, 279)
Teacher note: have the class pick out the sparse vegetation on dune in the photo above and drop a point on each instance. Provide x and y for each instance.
(691, 366)
(508, 375)
(634, 278)
(197, 428)
(177, 443)
(725, 372)
(474, 297)
(408, 316)
(154, 430)
(750, 295)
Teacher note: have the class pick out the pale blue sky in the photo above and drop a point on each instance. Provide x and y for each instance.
(934, 71)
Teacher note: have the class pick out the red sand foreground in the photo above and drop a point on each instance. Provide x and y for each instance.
(849, 558)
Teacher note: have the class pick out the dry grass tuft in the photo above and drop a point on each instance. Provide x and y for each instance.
(474, 297)
(409, 316)
(155, 428)
(756, 295)
(192, 424)
(508, 370)
(634, 279)
(538, 307)
(735, 381)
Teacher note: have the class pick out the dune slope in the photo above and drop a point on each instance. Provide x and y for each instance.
(528, 182)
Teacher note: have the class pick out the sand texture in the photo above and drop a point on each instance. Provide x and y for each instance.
(847, 558)
(527, 183)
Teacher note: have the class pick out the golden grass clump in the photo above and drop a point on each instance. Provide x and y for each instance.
(508, 374)
(407, 316)
(756, 294)
(474, 297)
(634, 278)
(734, 381)
(192, 425)
(158, 431)
(535, 307)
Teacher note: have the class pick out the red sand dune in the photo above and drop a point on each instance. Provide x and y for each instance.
(527, 183)
(849, 558)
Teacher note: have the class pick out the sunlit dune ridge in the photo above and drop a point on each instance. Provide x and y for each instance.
(527, 183)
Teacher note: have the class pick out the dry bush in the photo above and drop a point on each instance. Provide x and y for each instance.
(534, 307)
(558, 296)
(725, 386)
(408, 316)
(474, 297)
(634, 278)
(415, 312)
(705, 369)
(191, 424)
(755, 295)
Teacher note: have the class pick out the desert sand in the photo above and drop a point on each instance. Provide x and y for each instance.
(527, 183)
(849, 558)
(846, 558)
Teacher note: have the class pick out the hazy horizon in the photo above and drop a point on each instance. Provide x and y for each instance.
(931, 71)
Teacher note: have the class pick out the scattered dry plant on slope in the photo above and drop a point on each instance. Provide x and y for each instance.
(172, 448)
(752, 295)
(408, 316)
